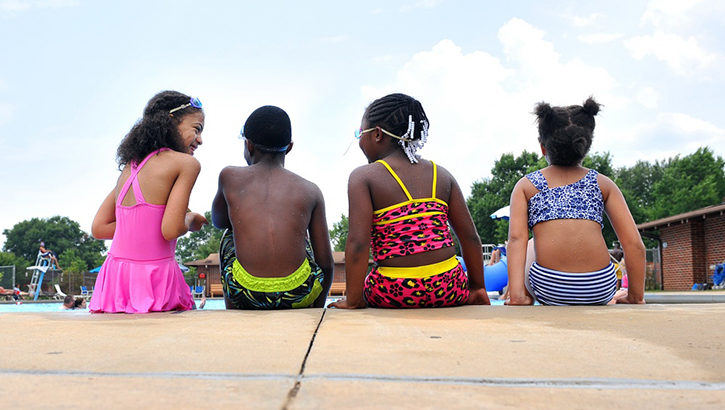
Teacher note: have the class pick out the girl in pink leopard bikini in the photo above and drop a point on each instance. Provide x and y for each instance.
(401, 205)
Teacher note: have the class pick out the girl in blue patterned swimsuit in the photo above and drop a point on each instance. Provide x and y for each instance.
(563, 205)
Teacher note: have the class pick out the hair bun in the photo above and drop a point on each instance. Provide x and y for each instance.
(542, 110)
(590, 106)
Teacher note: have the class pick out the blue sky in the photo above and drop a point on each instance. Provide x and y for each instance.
(76, 74)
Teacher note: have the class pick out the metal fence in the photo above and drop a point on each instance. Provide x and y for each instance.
(653, 269)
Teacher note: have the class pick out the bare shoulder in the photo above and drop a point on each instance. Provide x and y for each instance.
(305, 184)
(443, 172)
(364, 172)
(181, 160)
(230, 171)
(606, 185)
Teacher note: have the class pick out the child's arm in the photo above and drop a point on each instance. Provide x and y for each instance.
(104, 223)
(516, 249)
(177, 220)
(626, 230)
(320, 240)
(464, 228)
(219, 208)
(357, 249)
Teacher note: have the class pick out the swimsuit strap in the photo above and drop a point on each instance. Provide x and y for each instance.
(538, 180)
(435, 178)
(133, 179)
(410, 198)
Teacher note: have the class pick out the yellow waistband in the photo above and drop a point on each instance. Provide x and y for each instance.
(419, 271)
(282, 284)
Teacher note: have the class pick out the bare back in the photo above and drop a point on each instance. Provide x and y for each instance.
(418, 179)
(270, 210)
(568, 245)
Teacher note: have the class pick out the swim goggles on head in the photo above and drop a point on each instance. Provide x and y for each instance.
(263, 147)
(194, 102)
(359, 132)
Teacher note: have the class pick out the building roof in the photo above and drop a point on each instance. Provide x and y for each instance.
(212, 259)
(701, 213)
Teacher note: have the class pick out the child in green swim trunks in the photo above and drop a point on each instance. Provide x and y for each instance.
(276, 251)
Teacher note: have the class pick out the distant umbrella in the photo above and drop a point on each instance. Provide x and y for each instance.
(502, 213)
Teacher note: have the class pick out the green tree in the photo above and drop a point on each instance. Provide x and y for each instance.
(689, 183)
(9, 259)
(490, 194)
(636, 185)
(338, 234)
(60, 234)
(199, 244)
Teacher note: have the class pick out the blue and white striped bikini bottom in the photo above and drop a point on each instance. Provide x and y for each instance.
(552, 287)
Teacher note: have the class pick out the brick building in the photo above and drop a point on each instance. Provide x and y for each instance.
(690, 244)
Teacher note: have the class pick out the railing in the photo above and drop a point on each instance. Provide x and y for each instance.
(653, 269)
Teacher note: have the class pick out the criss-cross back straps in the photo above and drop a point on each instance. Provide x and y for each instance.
(133, 180)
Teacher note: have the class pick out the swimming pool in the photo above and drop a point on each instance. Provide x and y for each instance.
(211, 304)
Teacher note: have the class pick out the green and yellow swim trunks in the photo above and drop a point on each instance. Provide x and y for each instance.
(297, 290)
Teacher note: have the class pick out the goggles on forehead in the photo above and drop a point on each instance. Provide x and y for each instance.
(193, 102)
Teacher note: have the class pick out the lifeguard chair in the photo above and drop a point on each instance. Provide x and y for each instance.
(43, 263)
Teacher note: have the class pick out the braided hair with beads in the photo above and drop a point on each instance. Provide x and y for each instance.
(403, 116)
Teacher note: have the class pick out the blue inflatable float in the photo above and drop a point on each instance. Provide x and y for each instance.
(495, 276)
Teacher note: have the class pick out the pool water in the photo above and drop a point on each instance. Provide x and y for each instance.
(211, 304)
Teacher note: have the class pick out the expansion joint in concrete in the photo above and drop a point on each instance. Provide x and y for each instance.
(298, 383)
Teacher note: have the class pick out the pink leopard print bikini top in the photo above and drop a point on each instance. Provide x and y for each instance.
(410, 227)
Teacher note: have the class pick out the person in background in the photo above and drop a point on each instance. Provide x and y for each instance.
(47, 253)
(68, 303)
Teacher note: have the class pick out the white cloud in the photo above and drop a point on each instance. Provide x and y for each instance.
(679, 30)
(15, 6)
(585, 21)
(682, 55)
(648, 97)
(669, 13)
(666, 135)
(600, 38)
(480, 106)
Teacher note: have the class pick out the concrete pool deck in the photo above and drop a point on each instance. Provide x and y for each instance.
(651, 356)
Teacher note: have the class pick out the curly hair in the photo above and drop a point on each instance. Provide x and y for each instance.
(156, 129)
(401, 115)
(566, 132)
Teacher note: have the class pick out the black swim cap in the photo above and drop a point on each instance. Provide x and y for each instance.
(270, 127)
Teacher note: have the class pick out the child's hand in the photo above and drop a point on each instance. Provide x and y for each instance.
(478, 297)
(195, 221)
(342, 304)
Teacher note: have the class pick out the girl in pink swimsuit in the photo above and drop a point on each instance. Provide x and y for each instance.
(148, 209)
(400, 208)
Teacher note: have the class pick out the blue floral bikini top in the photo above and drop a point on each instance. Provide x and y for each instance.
(580, 200)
